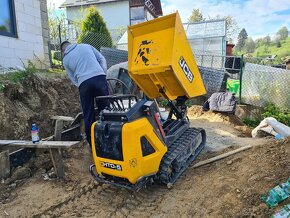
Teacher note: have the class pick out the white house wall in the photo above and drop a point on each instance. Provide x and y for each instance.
(29, 43)
(115, 14)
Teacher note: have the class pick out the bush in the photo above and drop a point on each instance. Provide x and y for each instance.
(18, 76)
(281, 115)
(94, 30)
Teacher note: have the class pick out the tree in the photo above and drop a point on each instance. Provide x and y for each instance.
(282, 33)
(94, 30)
(250, 45)
(243, 35)
(278, 44)
(195, 16)
(231, 25)
(267, 40)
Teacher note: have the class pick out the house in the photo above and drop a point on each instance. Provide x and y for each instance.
(116, 13)
(24, 33)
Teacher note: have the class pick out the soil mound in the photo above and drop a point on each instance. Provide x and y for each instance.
(35, 100)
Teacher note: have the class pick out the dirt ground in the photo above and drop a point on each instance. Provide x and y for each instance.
(231, 187)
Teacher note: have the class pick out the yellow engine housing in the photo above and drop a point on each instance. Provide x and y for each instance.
(134, 165)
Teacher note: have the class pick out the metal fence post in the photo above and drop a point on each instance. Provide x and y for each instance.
(241, 77)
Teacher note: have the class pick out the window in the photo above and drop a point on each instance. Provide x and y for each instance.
(137, 15)
(7, 18)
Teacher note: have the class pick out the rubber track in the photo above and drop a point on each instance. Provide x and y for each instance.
(170, 161)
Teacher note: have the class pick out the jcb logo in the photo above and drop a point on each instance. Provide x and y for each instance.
(186, 69)
(112, 166)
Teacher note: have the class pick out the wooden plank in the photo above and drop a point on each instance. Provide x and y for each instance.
(41, 144)
(56, 153)
(4, 165)
(63, 118)
(56, 158)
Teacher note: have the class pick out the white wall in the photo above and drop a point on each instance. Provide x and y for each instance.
(115, 14)
(29, 31)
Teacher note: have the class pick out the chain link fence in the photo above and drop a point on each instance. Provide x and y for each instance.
(254, 80)
(71, 31)
(263, 84)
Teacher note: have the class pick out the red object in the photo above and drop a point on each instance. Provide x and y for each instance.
(230, 49)
(159, 125)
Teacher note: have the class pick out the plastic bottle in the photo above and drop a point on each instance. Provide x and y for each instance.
(34, 133)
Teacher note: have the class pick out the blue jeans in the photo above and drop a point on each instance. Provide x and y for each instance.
(89, 90)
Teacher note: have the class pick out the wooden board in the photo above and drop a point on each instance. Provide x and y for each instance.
(41, 144)
(4, 165)
(63, 118)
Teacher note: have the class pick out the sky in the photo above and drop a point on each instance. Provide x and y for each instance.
(258, 17)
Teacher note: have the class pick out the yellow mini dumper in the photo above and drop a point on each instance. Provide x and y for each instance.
(130, 145)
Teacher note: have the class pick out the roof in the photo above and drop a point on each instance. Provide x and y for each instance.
(74, 3)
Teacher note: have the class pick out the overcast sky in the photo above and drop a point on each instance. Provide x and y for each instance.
(259, 17)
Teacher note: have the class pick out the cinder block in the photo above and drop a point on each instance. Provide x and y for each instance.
(5, 62)
(8, 52)
(4, 42)
(19, 6)
(25, 18)
(32, 11)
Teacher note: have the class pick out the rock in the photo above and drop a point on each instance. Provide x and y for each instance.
(238, 191)
(12, 186)
(20, 173)
(229, 162)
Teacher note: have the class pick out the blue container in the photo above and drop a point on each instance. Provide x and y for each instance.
(35, 133)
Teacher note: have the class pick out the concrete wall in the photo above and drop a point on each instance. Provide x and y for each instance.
(115, 14)
(29, 43)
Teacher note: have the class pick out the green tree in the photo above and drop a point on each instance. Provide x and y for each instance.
(250, 45)
(195, 16)
(94, 30)
(282, 33)
(231, 25)
(267, 40)
(243, 35)
(278, 44)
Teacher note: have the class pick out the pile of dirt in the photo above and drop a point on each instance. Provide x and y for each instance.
(197, 112)
(35, 100)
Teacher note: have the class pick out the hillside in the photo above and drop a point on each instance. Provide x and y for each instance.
(272, 49)
(262, 50)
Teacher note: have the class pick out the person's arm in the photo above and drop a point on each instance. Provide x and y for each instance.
(101, 59)
(70, 74)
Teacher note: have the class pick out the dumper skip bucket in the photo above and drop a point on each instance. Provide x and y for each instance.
(160, 59)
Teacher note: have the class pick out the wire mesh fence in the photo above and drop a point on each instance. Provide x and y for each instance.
(71, 31)
(262, 84)
(254, 80)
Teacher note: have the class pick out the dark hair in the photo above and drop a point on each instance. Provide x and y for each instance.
(63, 43)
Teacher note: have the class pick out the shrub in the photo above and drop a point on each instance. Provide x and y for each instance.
(94, 30)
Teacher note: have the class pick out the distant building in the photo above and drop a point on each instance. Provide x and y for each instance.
(116, 13)
(24, 33)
